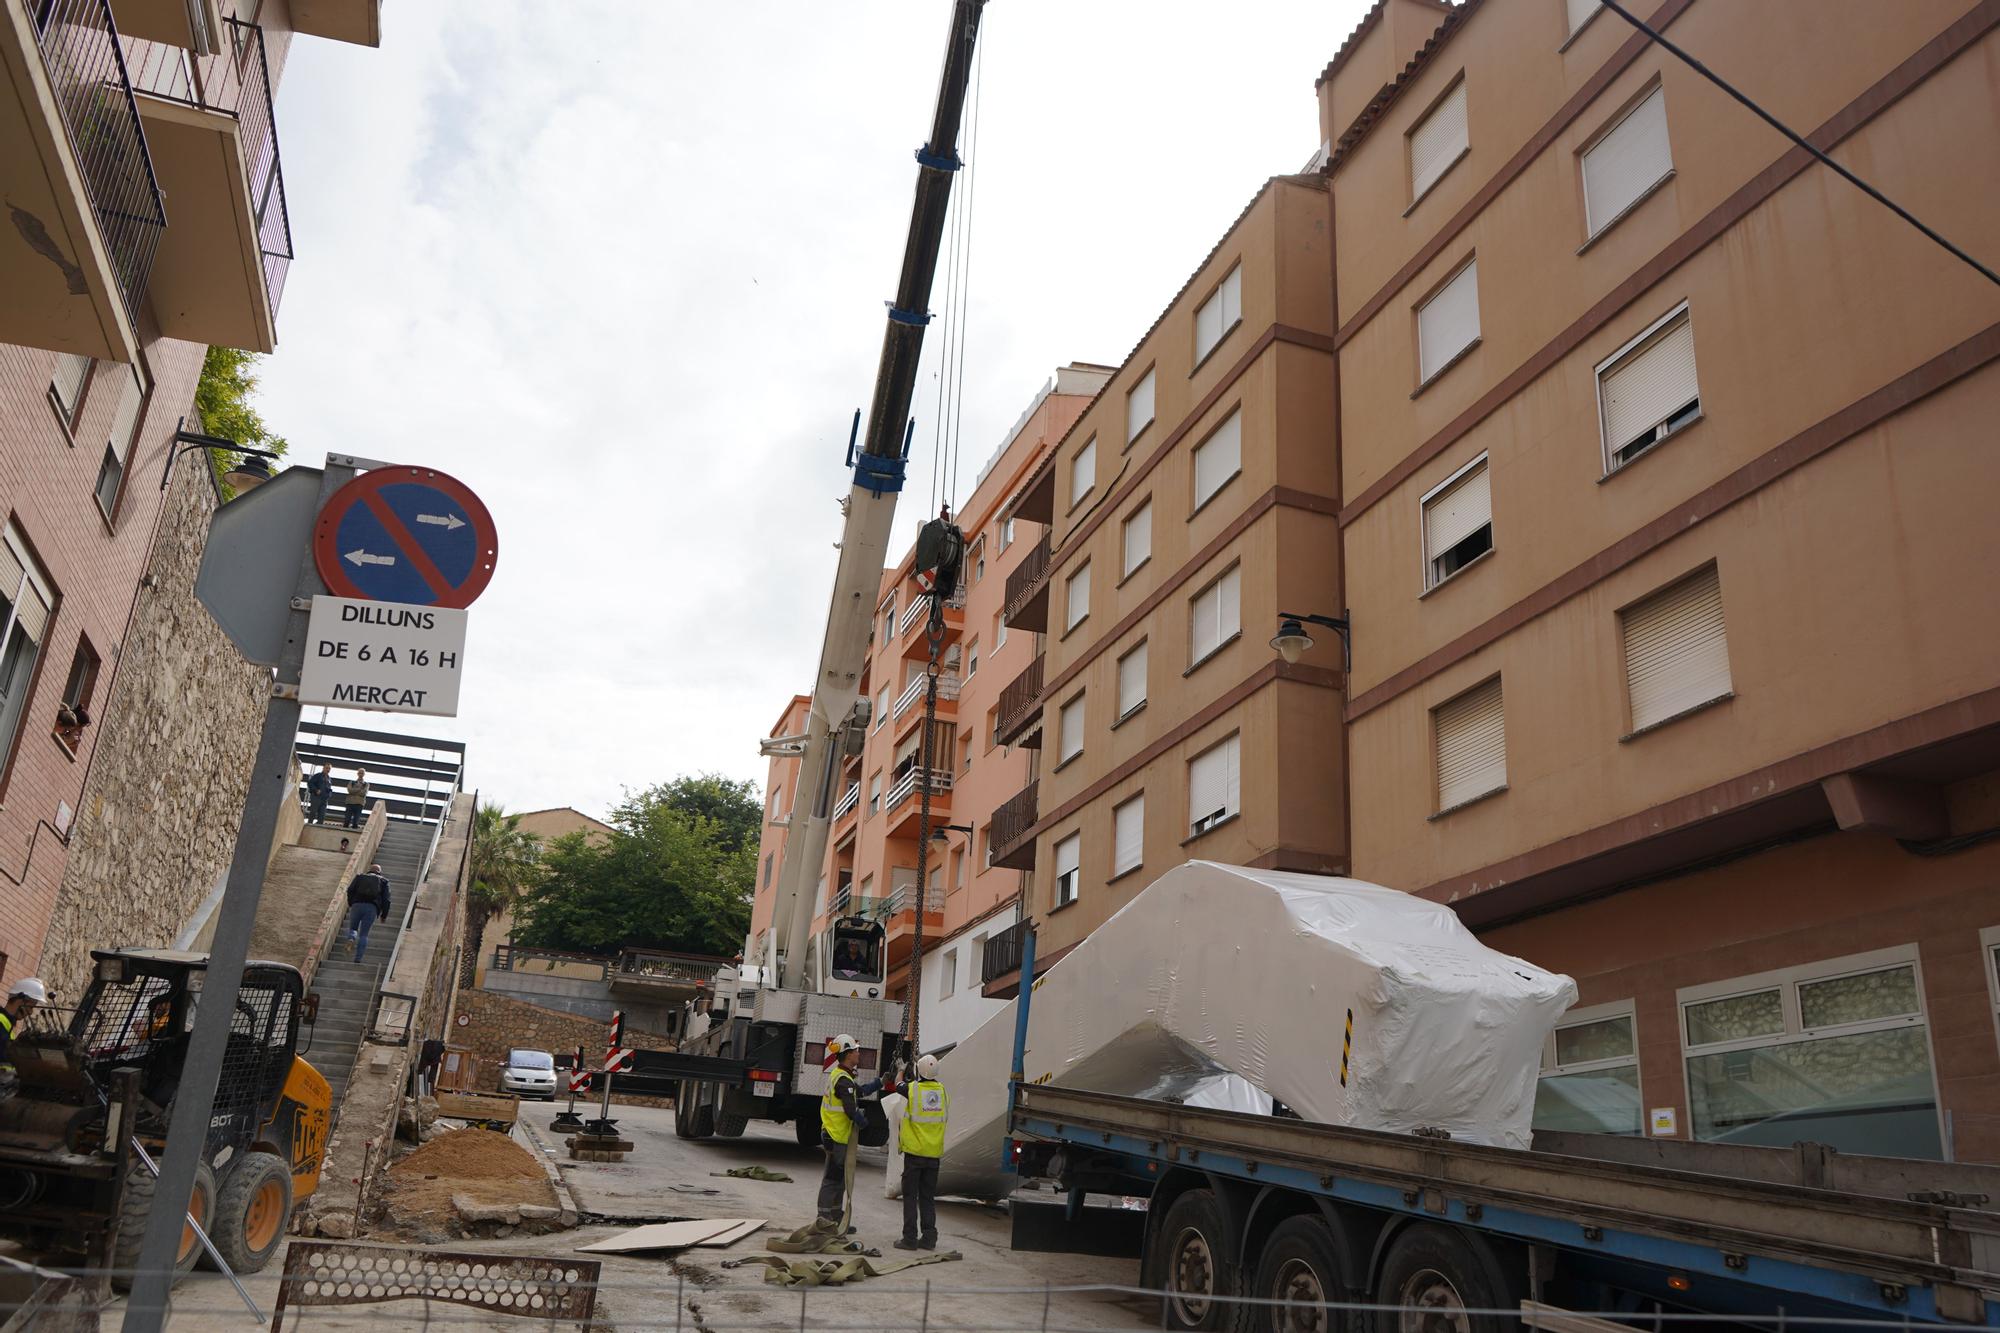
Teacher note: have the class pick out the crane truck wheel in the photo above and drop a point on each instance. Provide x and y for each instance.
(683, 1113)
(140, 1187)
(1437, 1278)
(251, 1211)
(1300, 1270)
(730, 1125)
(1199, 1279)
(806, 1130)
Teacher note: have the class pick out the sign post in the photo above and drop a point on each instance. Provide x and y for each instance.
(252, 540)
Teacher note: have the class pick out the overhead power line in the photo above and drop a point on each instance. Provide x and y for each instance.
(1652, 33)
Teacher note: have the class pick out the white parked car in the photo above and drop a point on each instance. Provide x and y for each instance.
(529, 1074)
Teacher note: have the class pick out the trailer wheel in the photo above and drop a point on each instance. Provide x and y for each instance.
(730, 1124)
(139, 1189)
(1199, 1278)
(1438, 1281)
(251, 1211)
(806, 1130)
(1300, 1269)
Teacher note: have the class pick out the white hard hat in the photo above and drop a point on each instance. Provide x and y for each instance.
(840, 1045)
(927, 1066)
(31, 987)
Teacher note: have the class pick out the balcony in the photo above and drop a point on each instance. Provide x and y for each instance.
(905, 811)
(1011, 835)
(867, 906)
(221, 267)
(910, 703)
(194, 25)
(355, 21)
(848, 800)
(1028, 589)
(1020, 719)
(1003, 953)
(910, 626)
(85, 219)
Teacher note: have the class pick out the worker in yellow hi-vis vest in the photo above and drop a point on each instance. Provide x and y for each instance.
(839, 1120)
(923, 1143)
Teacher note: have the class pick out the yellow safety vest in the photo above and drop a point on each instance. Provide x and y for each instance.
(832, 1115)
(924, 1117)
(7, 1031)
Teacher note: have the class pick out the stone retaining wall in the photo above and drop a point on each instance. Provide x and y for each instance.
(496, 1024)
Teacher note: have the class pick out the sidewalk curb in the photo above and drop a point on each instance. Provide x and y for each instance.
(544, 1154)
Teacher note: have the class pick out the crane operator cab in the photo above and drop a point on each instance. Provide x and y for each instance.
(855, 963)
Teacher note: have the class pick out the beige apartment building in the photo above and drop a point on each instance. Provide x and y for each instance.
(871, 866)
(1666, 479)
(1192, 501)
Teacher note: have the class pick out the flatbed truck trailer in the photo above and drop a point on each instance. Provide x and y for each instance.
(1606, 1233)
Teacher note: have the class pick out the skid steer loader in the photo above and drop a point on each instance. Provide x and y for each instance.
(99, 1088)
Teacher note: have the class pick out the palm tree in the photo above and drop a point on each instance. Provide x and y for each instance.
(505, 859)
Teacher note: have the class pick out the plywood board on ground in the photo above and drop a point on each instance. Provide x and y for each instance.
(675, 1236)
(487, 1106)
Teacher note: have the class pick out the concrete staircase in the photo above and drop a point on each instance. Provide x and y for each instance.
(347, 989)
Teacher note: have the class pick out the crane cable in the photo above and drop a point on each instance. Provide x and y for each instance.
(945, 467)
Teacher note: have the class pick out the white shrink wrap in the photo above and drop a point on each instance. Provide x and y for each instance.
(1220, 970)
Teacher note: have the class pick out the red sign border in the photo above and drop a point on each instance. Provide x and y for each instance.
(326, 530)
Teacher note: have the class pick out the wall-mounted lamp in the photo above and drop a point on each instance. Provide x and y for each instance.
(942, 834)
(251, 469)
(1292, 641)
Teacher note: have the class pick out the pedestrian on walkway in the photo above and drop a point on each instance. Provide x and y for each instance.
(367, 900)
(357, 798)
(319, 789)
(923, 1143)
(839, 1121)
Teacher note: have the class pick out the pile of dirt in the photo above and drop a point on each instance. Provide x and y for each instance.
(473, 1164)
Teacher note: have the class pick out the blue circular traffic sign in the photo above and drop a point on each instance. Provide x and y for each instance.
(406, 534)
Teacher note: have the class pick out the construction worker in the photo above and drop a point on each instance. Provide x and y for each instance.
(22, 999)
(839, 1121)
(923, 1143)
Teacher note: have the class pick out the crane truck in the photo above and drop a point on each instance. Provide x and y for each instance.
(760, 1057)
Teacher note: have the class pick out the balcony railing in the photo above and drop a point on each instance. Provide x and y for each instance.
(1013, 827)
(1003, 953)
(93, 86)
(656, 965)
(862, 905)
(906, 786)
(235, 81)
(919, 609)
(1020, 702)
(1026, 580)
(913, 694)
(904, 899)
(848, 800)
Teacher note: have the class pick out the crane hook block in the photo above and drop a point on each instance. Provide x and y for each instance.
(877, 474)
(940, 556)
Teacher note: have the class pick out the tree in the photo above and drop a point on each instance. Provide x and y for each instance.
(670, 876)
(222, 403)
(504, 860)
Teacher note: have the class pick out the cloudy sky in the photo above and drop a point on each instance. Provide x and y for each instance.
(621, 269)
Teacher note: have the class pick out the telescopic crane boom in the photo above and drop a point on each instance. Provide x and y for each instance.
(870, 510)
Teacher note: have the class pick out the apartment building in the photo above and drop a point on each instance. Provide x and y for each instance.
(871, 866)
(140, 162)
(1192, 501)
(1665, 476)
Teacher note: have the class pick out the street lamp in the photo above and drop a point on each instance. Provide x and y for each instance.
(1292, 641)
(251, 469)
(942, 835)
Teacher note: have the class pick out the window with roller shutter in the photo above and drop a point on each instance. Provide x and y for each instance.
(67, 384)
(1448, 323)
(1083, 472)
(1128, 835)
(1215, 616)
(124, 428)
(1139, 407)
(1137, 541)
(1069, 868)
(1217, 459)
(1076, 597)
(26, 603)
(1471, 739)
(1215, 786)
(1458, 522)
(1580, 12)
(1220, 313)
(1438, 141)
(1069, 731)
(1647, 390)
(1132, 681)
(1626, 162)
(1676, 650)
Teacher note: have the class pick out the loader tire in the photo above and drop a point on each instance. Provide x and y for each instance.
(251, 1211)
(140, 1187)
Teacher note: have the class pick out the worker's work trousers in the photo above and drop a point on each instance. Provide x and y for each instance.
(920, 1199)
(833, 1184)
(319, 809)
